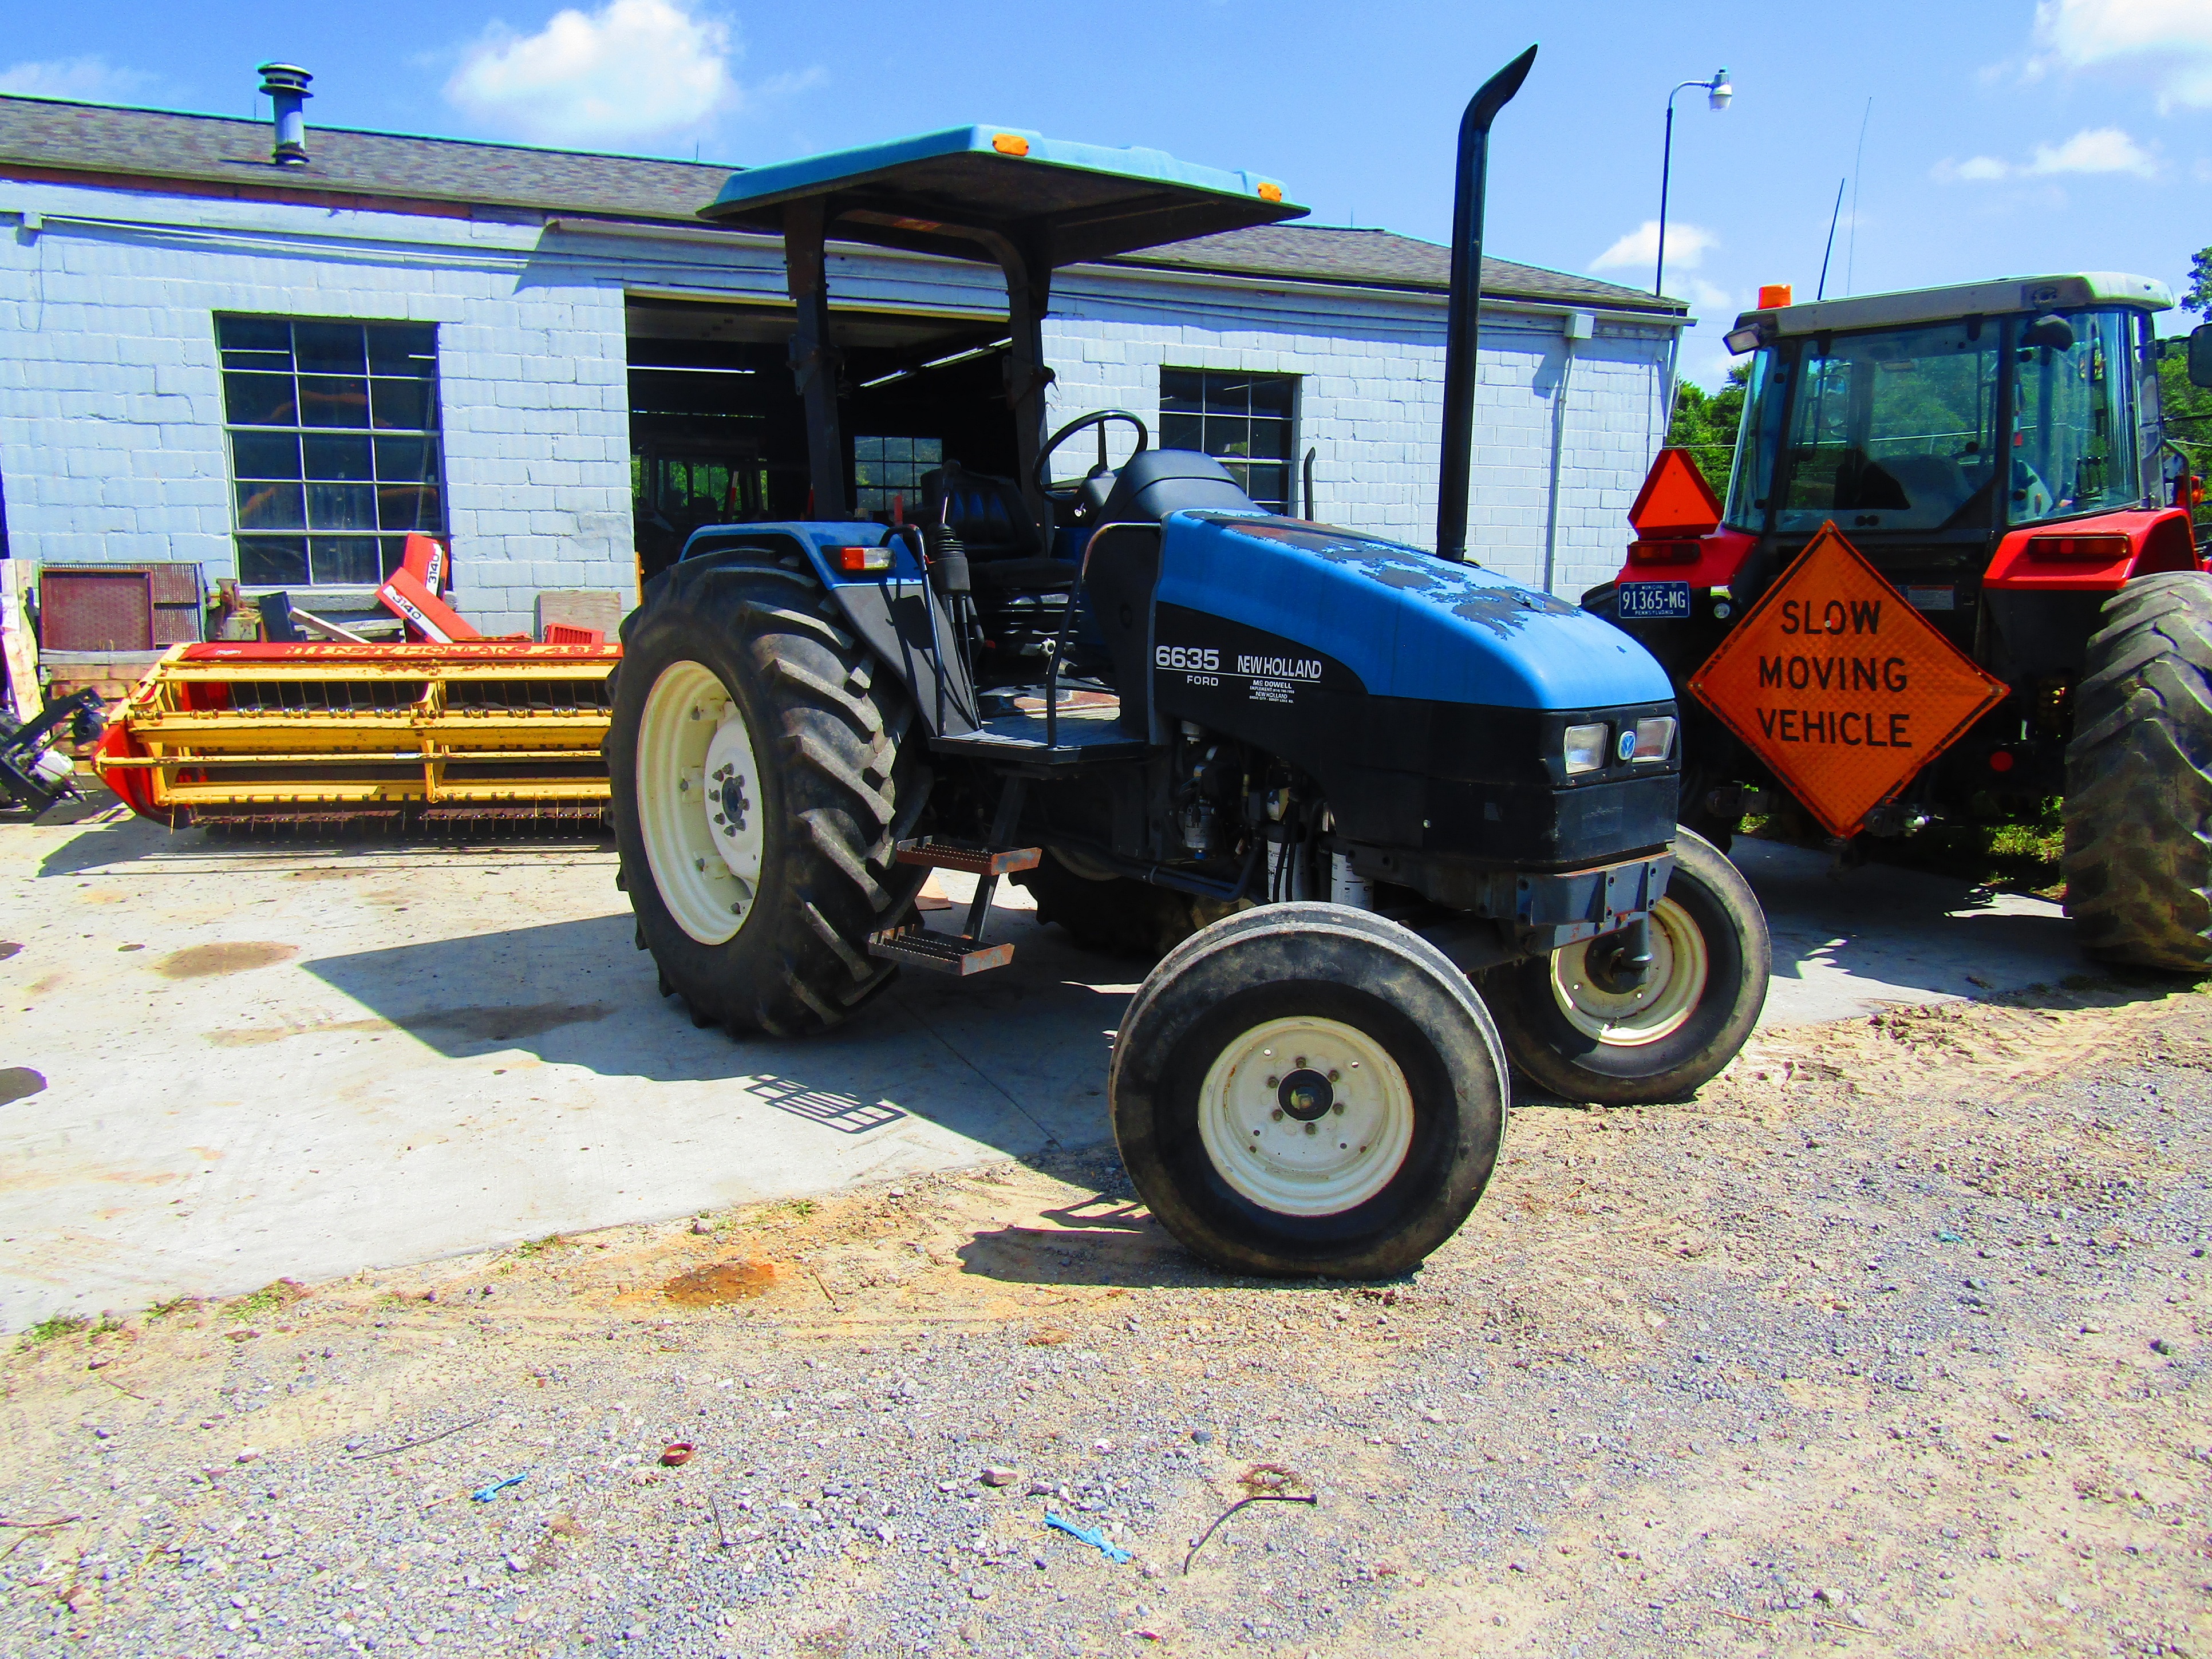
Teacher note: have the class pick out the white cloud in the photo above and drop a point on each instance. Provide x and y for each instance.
(1711, 299)
(1686, 247)
(93, 80)
(2093, 150)
(2168, 41)
(632, 70)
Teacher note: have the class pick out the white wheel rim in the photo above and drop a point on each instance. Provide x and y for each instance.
(1251, 1117)
(1672, 987)
(699, 802)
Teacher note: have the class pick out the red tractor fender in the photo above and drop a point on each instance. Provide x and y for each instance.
(1707, 561)
(2099, 555)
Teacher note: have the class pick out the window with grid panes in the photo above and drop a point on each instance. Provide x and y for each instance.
(334, 452)
(1242, 421)
(886, 467)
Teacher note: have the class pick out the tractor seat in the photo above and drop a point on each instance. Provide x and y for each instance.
(987, 513)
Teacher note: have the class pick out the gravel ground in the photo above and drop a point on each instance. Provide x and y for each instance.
(1891, 1342)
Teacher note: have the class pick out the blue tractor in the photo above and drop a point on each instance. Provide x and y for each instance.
(1402, 820)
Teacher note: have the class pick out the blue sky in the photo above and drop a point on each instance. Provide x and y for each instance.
(2005, 136)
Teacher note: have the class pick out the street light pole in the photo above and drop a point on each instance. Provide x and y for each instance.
(1718, 91)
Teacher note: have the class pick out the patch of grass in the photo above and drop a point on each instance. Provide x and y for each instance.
(802, 1207)
(278, 1293)
(175, 1305)
(530, 1247)
(58, 1325)
(1988, 847)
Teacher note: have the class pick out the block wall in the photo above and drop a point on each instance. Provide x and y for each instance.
(112, 435)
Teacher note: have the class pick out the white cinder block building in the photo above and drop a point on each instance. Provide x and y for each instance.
(274, 371)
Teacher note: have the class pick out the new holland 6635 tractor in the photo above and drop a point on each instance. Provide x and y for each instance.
(2028, 614)
(1408, 794)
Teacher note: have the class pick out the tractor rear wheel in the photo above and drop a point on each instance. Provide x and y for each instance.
(1113, 914)
(759, 786)
(2139, 779)
(1584, 1033)
(1308, 1088)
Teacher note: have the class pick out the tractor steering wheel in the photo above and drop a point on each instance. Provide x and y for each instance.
(1071, 492)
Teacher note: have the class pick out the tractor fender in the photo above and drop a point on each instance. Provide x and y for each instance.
(2098, 555)
(892, 610)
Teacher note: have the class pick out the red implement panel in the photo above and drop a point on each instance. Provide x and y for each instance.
(96, 609)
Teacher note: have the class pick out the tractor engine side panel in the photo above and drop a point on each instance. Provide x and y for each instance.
(1423, 775)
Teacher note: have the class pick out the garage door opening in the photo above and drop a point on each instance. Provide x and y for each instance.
(718, 435)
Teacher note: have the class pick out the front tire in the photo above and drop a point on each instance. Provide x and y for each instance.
(759, 786)
(1585, 1035)
(1308, 1088)
(2138, 858)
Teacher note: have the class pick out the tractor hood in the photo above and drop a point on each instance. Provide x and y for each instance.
(1407, 624)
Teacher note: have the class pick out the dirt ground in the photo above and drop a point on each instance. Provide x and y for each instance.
(1892, 1342)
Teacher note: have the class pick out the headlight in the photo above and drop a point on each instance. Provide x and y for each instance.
(1653, 737)
(1586, 748)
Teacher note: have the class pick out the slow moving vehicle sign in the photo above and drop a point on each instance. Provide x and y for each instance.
(1840, 686)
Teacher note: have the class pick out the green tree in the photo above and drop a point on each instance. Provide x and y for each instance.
(2198, 296)
(1706, 424)
(2188, 408)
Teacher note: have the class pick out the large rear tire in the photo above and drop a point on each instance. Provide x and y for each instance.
(759, 786)
(2138, 857)
(1307, 1090)
(1109, 914)
(1585, 1035)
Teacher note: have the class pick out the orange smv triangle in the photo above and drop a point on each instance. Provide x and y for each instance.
(1840, 686)
(1675, 499)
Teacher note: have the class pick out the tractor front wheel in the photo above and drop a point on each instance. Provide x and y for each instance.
(1581, 1028)
(759, 786)
(2139, 779)
(1308, 1088)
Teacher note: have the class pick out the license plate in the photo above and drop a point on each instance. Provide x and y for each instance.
(1653, 601)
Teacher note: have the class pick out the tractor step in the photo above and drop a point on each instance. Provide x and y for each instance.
(941, 953)
(973, 857)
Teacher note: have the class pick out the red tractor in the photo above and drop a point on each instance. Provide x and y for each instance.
(2010, 603)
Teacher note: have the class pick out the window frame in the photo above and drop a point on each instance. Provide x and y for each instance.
(330, 501)
(1239, 467)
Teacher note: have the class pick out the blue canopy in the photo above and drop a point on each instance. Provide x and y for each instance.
(959, 191)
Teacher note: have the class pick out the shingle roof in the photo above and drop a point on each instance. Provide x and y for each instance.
(230, 154)
(1385, 259)
(161, 145)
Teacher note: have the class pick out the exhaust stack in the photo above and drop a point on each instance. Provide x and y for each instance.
(1462, 328)
(286, 85)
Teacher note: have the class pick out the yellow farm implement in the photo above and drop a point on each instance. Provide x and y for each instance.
(314, 732)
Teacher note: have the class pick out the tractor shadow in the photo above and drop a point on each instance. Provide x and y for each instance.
(1016, 1061)
(1849, 942)
(1103, 1241)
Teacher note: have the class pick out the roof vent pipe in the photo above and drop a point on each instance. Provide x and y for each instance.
(286, 85)
(1462, 326)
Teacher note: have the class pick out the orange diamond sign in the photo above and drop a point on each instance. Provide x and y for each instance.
(1841, 686)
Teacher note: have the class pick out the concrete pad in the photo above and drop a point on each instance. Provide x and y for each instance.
(1851, 942)
(244, 1059)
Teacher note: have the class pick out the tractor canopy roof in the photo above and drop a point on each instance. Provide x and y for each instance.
(965, 192)
(2003, 297)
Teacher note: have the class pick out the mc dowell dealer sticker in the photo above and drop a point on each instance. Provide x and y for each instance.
(1840, 685)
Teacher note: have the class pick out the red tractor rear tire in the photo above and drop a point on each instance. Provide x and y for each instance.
(2139, 779)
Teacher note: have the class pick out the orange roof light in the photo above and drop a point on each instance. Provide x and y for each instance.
(1270, 192)
(1010, 143)
(1773, 296)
